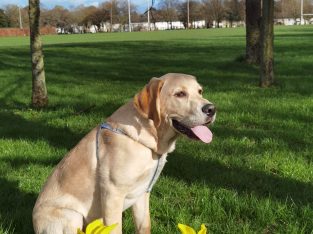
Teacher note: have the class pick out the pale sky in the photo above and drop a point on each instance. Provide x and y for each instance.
(141, 4)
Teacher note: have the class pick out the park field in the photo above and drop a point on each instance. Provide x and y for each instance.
(255, 177)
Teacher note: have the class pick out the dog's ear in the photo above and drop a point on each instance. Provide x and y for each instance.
(147, 101)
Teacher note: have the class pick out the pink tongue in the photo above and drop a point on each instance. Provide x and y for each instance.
(203, 133)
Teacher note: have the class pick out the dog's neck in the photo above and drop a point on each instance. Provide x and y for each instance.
(166, 137)
(161, 140)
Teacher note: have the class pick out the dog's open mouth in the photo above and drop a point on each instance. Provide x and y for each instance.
(200, 132)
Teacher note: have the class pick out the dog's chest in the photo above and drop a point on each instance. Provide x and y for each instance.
(146, 184)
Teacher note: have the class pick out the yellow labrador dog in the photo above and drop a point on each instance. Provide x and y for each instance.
(115, 166)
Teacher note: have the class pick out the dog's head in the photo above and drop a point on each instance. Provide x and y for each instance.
(176, 100)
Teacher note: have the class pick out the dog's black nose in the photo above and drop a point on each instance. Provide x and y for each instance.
(209, 109)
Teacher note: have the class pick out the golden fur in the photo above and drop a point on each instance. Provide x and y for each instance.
(81, 189)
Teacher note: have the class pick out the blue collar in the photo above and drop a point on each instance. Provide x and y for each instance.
(109, 127)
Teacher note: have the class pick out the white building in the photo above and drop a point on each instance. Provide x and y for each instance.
(292, 21)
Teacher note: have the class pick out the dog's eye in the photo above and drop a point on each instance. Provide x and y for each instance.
(180, 94)
(200, 91)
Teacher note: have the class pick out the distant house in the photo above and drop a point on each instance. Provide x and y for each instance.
(77, 29)
(92, 29)
(166, 25)
(292, 21)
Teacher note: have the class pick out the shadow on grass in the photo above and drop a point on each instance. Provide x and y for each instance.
(134, 63)
(10, 89)
(293, 139)
(240, 179)
(16, 127)
(137, 62)
(299, 34)
(16, 207)
(124, 61)
(20, 161)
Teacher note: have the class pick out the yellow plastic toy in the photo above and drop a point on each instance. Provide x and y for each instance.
(189, 230)
(97, 227)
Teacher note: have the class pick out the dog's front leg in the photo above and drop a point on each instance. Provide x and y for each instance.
(141, 214)
(112, 208)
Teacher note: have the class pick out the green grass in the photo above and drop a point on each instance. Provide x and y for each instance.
(255, 177)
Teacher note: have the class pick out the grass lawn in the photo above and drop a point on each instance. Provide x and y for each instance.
(255, 177)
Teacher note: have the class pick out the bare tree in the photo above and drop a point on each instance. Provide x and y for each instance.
(195, 12)
(168, 11)
(253, 30)
(101, 15)
(217, 11)
(123, 13)
(308, 9)
(79, 14)
(267, 35)
(12, 14)
(291, 9)
(39, 90)
(234, 11)
(24, 17)
(4, 22)
(206, 15)
(58, 17)
(112, 7)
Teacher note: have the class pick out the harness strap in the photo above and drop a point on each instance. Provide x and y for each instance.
(107, 126)
(155, 176)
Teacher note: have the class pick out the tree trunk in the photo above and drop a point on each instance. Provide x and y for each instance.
(39, 91)
(267, 41)
(253, 20)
